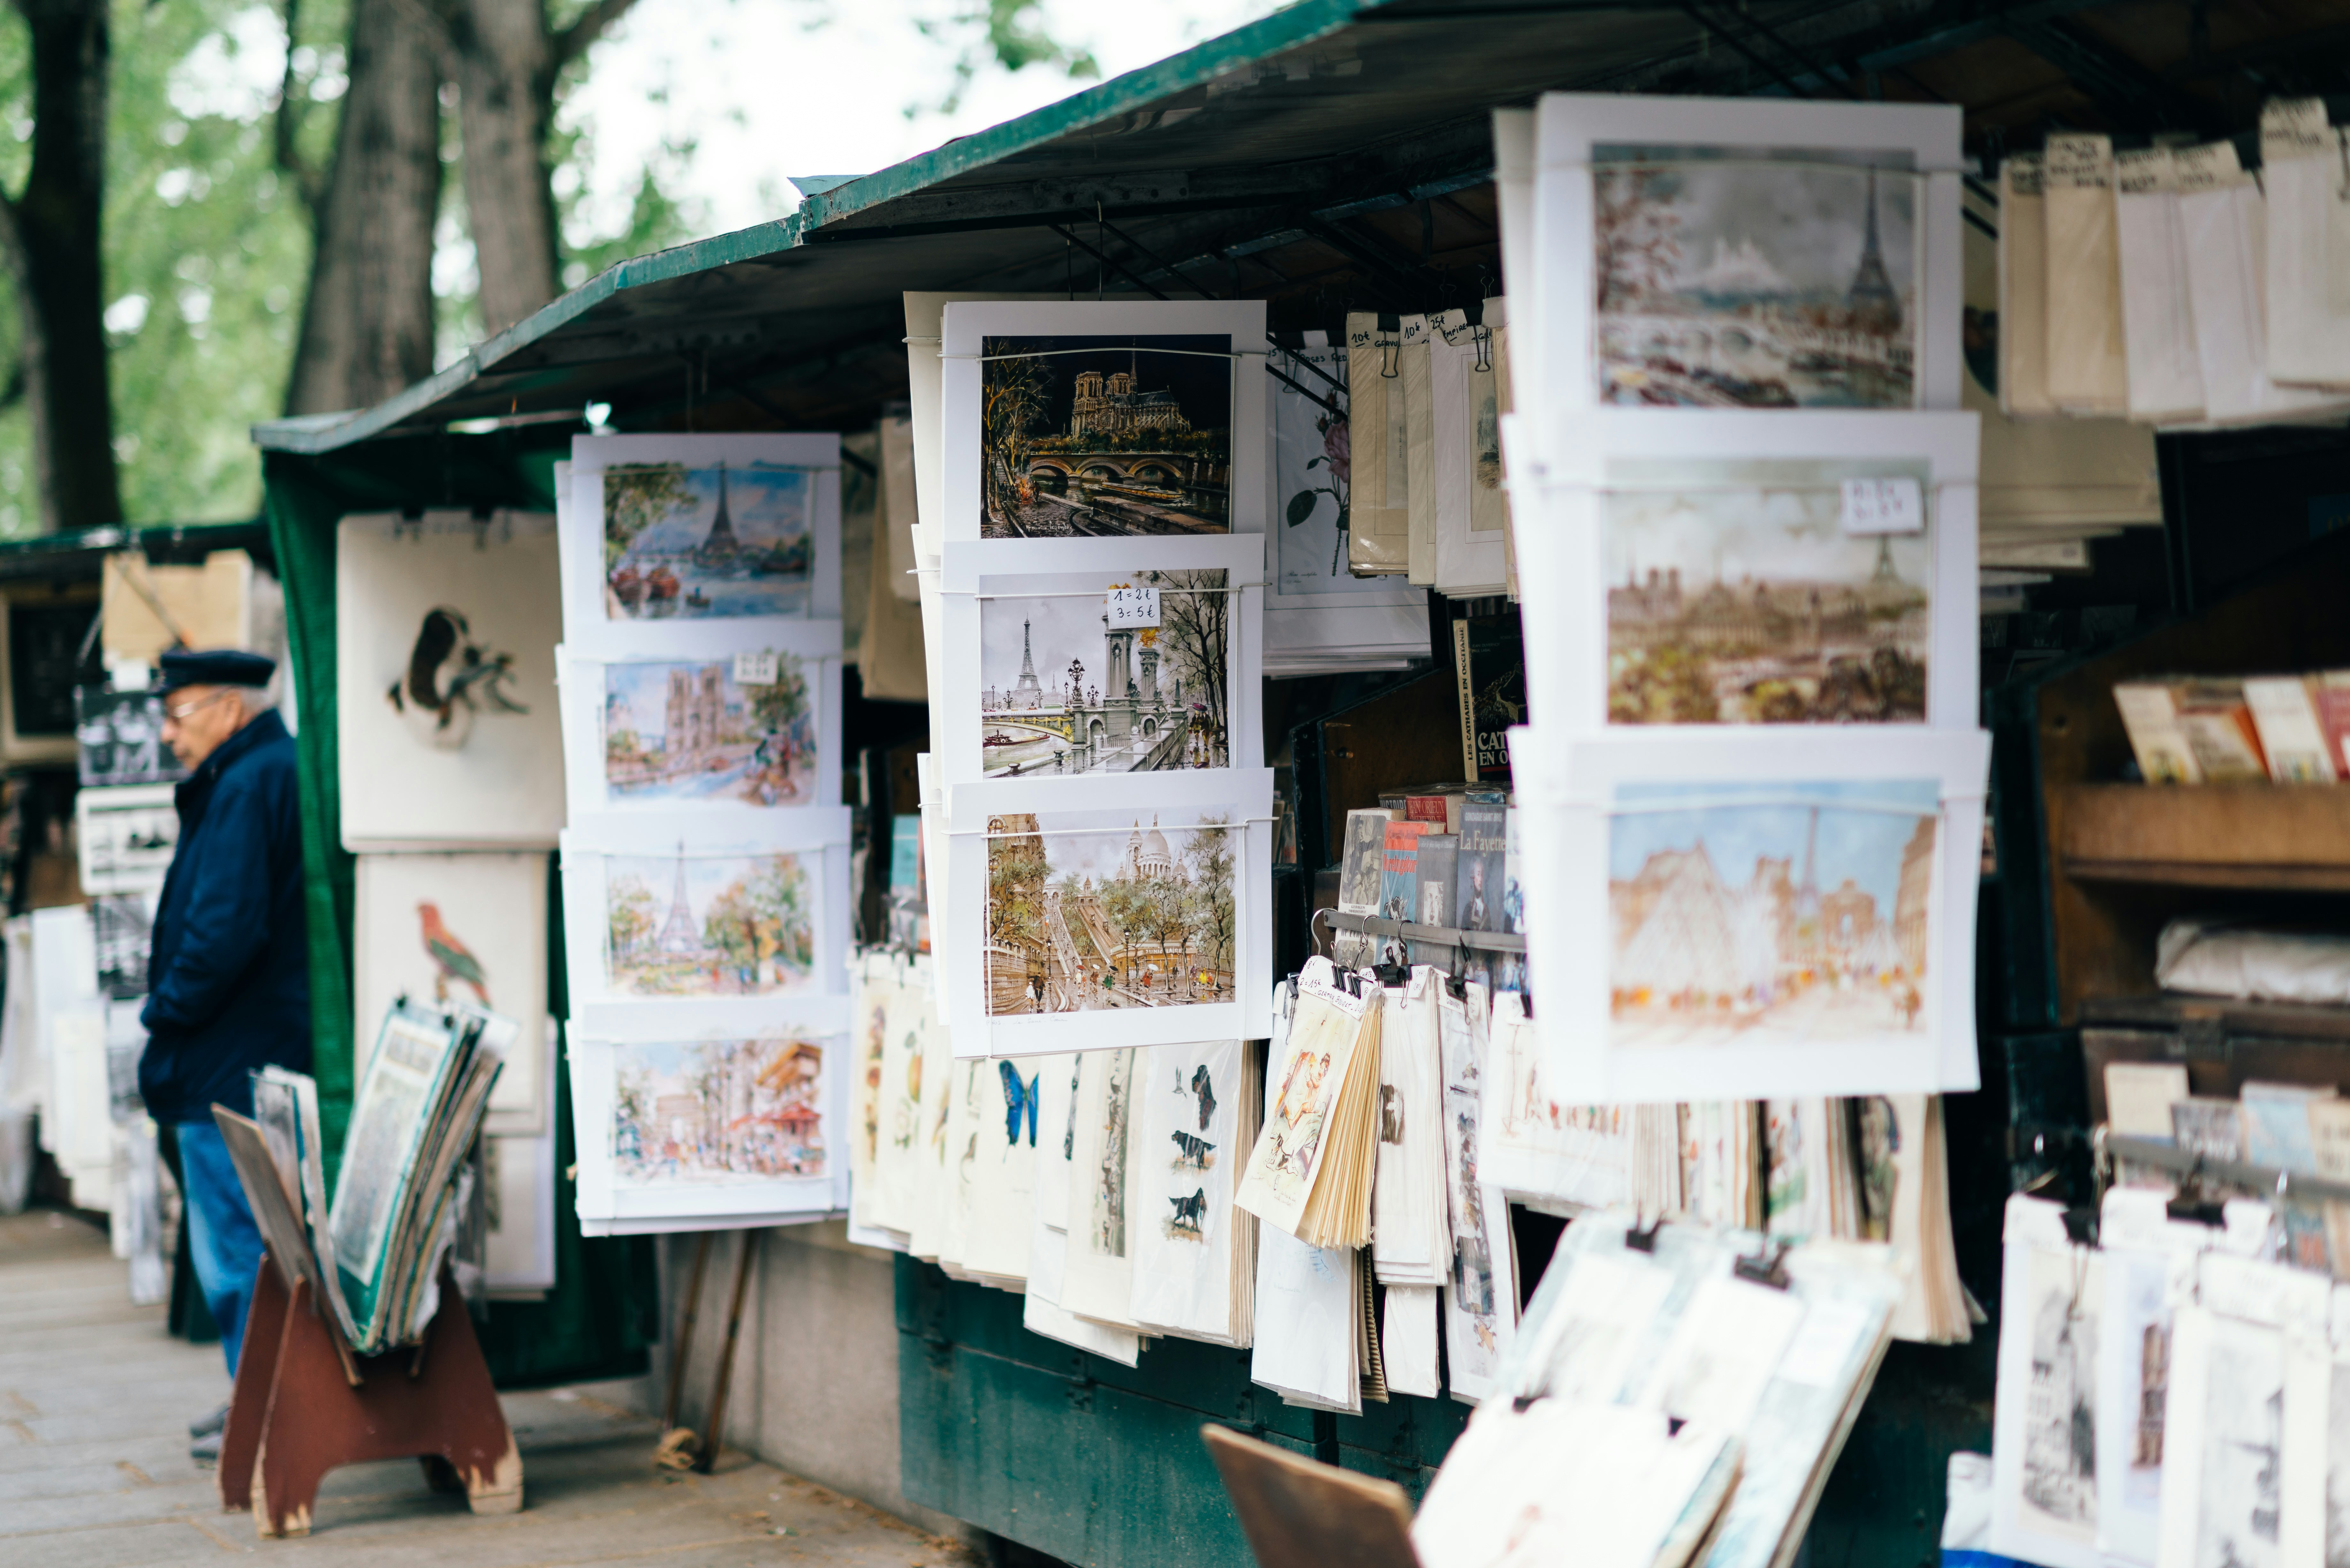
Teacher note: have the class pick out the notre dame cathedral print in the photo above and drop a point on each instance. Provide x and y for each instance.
(1082, 436)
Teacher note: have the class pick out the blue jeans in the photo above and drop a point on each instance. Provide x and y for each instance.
(222, 1236)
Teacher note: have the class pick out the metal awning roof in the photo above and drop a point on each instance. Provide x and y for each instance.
(1340, 148)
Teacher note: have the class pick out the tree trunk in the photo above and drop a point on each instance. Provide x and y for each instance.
(52, 239)
(367, 327)
(503, 59)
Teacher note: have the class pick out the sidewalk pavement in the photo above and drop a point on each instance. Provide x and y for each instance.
(95, 1399)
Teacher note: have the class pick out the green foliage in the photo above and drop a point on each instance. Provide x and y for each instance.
(637, 496)
(1006, 32)
(781, 701)
(628, 906)
(763, 917)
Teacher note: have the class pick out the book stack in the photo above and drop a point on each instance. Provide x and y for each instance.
(1311, 1170)
(2284, 729)
(395, 1205)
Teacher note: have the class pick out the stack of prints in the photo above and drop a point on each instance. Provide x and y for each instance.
(1752, 517)
(705, 862)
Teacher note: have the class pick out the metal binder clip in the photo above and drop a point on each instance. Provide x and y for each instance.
(1392, 974)
(2192, 1203)
(1643, 1238)
(1482, 336)
(1766, 1267)
(1526, 1001)
(1390, 348)
(2081, 1227)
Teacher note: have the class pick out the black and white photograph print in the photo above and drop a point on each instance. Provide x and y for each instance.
(120, 737)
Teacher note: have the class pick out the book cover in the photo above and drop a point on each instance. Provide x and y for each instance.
(1439, 855)
(2278, 1132)
(1399, 881)
(2329, 690)
(2219, 726)
(2212, 1129)
(1361, 867)
(2285, 717)
(1489, 671)
(2156, 737)
(1510, 968)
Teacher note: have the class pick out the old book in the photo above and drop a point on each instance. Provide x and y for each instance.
(2088, 366)
(2150, 718)
(2329, 690)
(2213, 1128)
(2220, 731)
(2329, 1145)
(1411, 1237)
(2292, 742)
(2138, 1097)
(2278, 1132)
(1439, 859)
(1399, 881)
(1310, 1173)
(1304, 1348)
(1489, 670)
(1361, 866)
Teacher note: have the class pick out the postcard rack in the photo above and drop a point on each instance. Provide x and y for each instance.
(303, 1406)
(1435, 936)
(2232, 1172)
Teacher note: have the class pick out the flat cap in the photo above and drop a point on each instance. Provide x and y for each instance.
(215, 667)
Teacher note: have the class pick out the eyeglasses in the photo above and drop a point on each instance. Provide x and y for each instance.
(182, 715)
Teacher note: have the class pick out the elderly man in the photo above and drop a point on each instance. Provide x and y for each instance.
(228, 979)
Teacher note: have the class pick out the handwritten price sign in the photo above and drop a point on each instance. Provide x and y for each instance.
(755, 669)
(1131, 608)
(1883, 507)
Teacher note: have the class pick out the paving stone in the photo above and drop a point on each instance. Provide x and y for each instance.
(94, 1469)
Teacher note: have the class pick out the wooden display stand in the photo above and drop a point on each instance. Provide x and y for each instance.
(1298, 1513)
(303, 1405)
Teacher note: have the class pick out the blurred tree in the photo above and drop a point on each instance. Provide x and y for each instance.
(51, 234)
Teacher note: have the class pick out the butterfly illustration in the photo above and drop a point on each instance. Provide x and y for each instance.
(1020, 1098)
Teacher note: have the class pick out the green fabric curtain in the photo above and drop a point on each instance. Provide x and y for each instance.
(603, 1310)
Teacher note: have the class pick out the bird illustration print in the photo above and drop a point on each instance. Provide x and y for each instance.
(453, 961)
(450, 679)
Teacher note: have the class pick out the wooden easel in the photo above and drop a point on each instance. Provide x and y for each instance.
(303, 1405)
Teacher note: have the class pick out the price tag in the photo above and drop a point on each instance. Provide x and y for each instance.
(1129, 608)
(1883, 507)
(755, 669)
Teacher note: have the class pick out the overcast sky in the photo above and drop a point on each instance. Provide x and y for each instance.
(770, 88)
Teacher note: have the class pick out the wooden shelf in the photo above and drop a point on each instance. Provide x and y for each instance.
(2285, 837)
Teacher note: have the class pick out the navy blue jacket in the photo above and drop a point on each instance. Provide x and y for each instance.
(229, 977)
